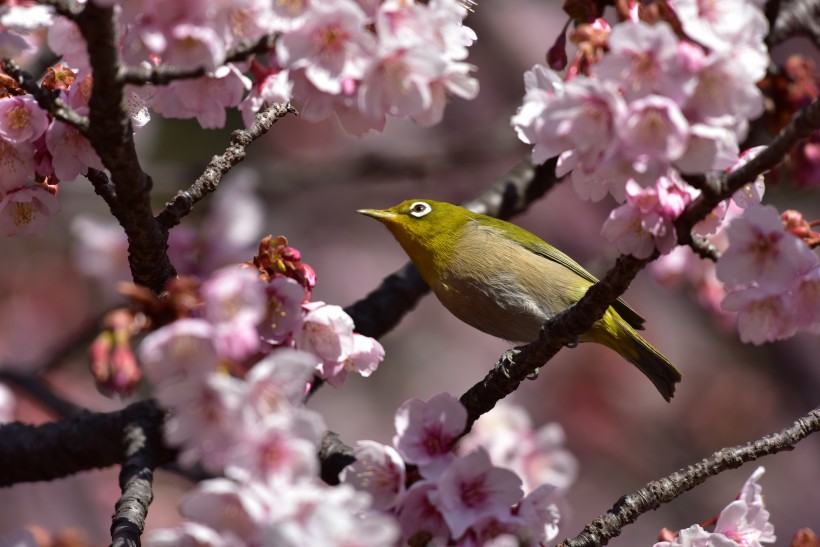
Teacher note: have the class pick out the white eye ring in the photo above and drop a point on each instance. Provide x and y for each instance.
(419, 209)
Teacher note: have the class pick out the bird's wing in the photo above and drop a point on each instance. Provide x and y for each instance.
(534, 244)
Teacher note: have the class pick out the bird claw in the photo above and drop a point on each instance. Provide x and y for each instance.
(534, 374)
(574, 343)
(506, 361)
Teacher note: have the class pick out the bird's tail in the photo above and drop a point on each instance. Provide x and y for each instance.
(613, 332)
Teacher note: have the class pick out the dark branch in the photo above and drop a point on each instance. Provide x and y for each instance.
(105, 189)
(86, 441)
(718, 186)
(334, 456)
(183, 203)
(517, 364)
(653, 495)
(39, 390)
(48, 100)
(142, 443)
(164, 74)
(793, 18)
(112, 137)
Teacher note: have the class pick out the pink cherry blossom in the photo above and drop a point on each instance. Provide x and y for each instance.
(716, 24)
(327, 331)
(192, 534)
(234, 294)
(363, 359)
(653, 134)
(644, 222)
(417, 514)
(760, 250)
(26, 211)
(312, 514)
(71, 153)
(762, 316)
(540, 513)
(746, 520)
(425, 432)
(332, 46)
(226, 506)
(182, 348)
(65, 39)
(807, 301)
(538, 457)
(379, 471)
(193, 46)
(695, 536)
(16, 164)
(202, 420)
(203, 98)
(272, 87)
(21, 119)
(280, 445)
(284, 314)
(471, 488)
(278, 381)
(646, 60)
(709, 148)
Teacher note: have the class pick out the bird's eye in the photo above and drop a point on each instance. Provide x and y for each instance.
(419, 209)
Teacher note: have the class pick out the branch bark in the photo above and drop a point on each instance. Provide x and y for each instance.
(627, 509)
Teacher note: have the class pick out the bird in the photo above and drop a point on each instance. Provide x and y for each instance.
(505, 281)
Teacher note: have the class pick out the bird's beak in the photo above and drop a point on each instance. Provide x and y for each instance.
(378, 214)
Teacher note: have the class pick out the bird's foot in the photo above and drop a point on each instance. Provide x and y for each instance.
(534, 374)
(574, 343)
(506, 361)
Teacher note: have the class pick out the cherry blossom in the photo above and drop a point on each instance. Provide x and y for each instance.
(71, 153)
(25, 211)
(379, 471)
(471, 488)
(418, 515)
(760, 250)
(17, 162)
(21, 119)
(425, 432)
(183, 348)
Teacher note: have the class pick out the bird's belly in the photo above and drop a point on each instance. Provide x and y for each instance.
(499, 309)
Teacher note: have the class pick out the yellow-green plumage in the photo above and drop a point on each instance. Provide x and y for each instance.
(505, 281)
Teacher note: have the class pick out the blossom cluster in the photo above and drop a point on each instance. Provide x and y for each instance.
(360, 60)
(653, 105)
(233, 369)
(744, 522)
(477, 498)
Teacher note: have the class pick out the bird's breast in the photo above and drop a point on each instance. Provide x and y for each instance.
(503, 289)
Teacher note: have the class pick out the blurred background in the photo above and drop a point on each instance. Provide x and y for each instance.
(309, 179)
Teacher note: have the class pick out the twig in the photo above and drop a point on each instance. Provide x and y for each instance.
(86, 441)
(334, 456)
(164, 74)
(654, 494)
(105, 189)
(48, 101)
(136, 477)
(183, 203)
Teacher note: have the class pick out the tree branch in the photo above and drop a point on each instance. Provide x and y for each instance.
(794, 18)
(89, 440)
(183, 203)
(112, 137)
(627, 509)
(164, 74)
(142, 442)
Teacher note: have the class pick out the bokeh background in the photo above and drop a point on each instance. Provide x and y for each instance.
(309, 179)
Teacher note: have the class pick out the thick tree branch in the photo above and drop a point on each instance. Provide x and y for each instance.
(164, 74)
(86, 441)
(653, 495)
(142, 444)
(111, 135)
(183, 203)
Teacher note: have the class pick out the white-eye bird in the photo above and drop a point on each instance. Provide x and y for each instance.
(505, 281)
